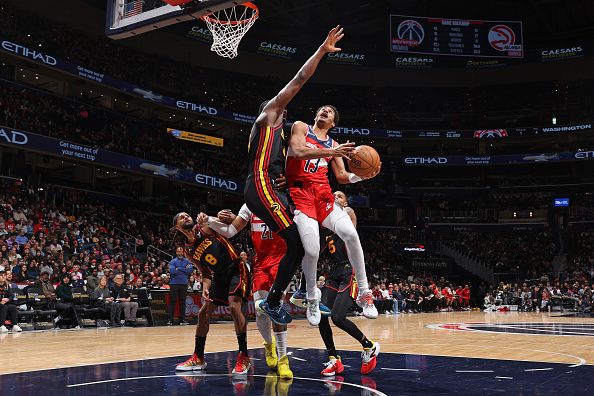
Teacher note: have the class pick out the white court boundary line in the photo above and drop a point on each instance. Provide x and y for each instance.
(463, 327)
(581, 361)
(518, 327)
(374, 391)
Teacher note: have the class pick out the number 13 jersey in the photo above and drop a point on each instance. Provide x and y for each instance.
(310, 171)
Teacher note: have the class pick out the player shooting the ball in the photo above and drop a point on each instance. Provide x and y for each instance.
(309, 188)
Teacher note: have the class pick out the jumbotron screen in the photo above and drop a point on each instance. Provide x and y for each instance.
(456, 37)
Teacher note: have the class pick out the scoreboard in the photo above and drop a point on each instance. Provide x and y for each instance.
(456, 37)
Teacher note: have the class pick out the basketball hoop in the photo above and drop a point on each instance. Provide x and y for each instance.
(228, 26)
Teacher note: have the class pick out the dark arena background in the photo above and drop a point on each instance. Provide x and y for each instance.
(478, 231)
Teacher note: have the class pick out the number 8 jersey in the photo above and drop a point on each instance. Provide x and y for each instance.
(214, 252)
(314, 170)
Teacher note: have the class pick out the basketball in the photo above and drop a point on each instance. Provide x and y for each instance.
(364, 161)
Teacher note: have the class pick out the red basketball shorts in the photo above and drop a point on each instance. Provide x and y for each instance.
(264, 272)
(315, 200)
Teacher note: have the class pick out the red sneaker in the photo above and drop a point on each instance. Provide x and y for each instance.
(369, 357)
(193, 363)
(243, 364)
(333, 366)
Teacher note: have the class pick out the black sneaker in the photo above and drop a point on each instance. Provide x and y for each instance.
(183, 323)
(169, 323)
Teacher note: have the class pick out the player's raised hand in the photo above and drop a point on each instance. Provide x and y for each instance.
(335, 35)
(226, 216)
(343, 150)
(202, 218)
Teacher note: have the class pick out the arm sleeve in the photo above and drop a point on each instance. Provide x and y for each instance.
(172, 266)
(226, 230)
(245, 213)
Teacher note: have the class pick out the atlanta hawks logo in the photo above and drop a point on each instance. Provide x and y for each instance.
(502, 38)
(275, 207)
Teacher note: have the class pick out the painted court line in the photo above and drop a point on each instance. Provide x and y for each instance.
(372, 391)
(398, 369)
(475, 371)
(504, 377)
(296, 358)
(540, 369)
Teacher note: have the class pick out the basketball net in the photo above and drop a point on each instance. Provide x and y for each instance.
(228, 26)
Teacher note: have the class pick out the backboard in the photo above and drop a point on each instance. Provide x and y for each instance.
(127, 18)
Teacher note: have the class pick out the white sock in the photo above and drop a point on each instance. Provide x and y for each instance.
(264, 324)
(309, 230)
(340, 222)
(281, 343)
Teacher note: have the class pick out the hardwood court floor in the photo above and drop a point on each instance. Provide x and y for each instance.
(407, 334)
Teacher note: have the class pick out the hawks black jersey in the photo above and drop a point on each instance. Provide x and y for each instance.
(214, 252)
(335, 247)
(266, 152)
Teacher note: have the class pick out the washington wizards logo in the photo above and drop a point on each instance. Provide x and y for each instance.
(410, 33)
(490, 133)
(555, 329)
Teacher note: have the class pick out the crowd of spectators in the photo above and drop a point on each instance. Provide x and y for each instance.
(481, 206)
(60, 239)
(524, 253)
(67, 238)
(433, 107)
(570, 293)
(421, 293)
(81, 121)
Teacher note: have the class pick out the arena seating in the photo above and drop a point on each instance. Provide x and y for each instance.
(412, 108)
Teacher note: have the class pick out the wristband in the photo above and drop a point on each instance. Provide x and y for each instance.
(354, 178)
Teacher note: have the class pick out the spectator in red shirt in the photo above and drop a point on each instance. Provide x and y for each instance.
(458, 295)
(465, 297)
(449, 297)
(9, 224)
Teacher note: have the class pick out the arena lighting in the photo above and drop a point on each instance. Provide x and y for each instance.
(554, 120)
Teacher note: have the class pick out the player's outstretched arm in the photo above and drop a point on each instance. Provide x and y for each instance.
(221, 225)
(300, 150)
(273, 111)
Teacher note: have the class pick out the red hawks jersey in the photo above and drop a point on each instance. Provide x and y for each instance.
(266, 243)
(314, 170)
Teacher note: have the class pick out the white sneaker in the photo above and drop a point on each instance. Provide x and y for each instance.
(3, 329)
(16, 328)
(313, 312)
(365, 301)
